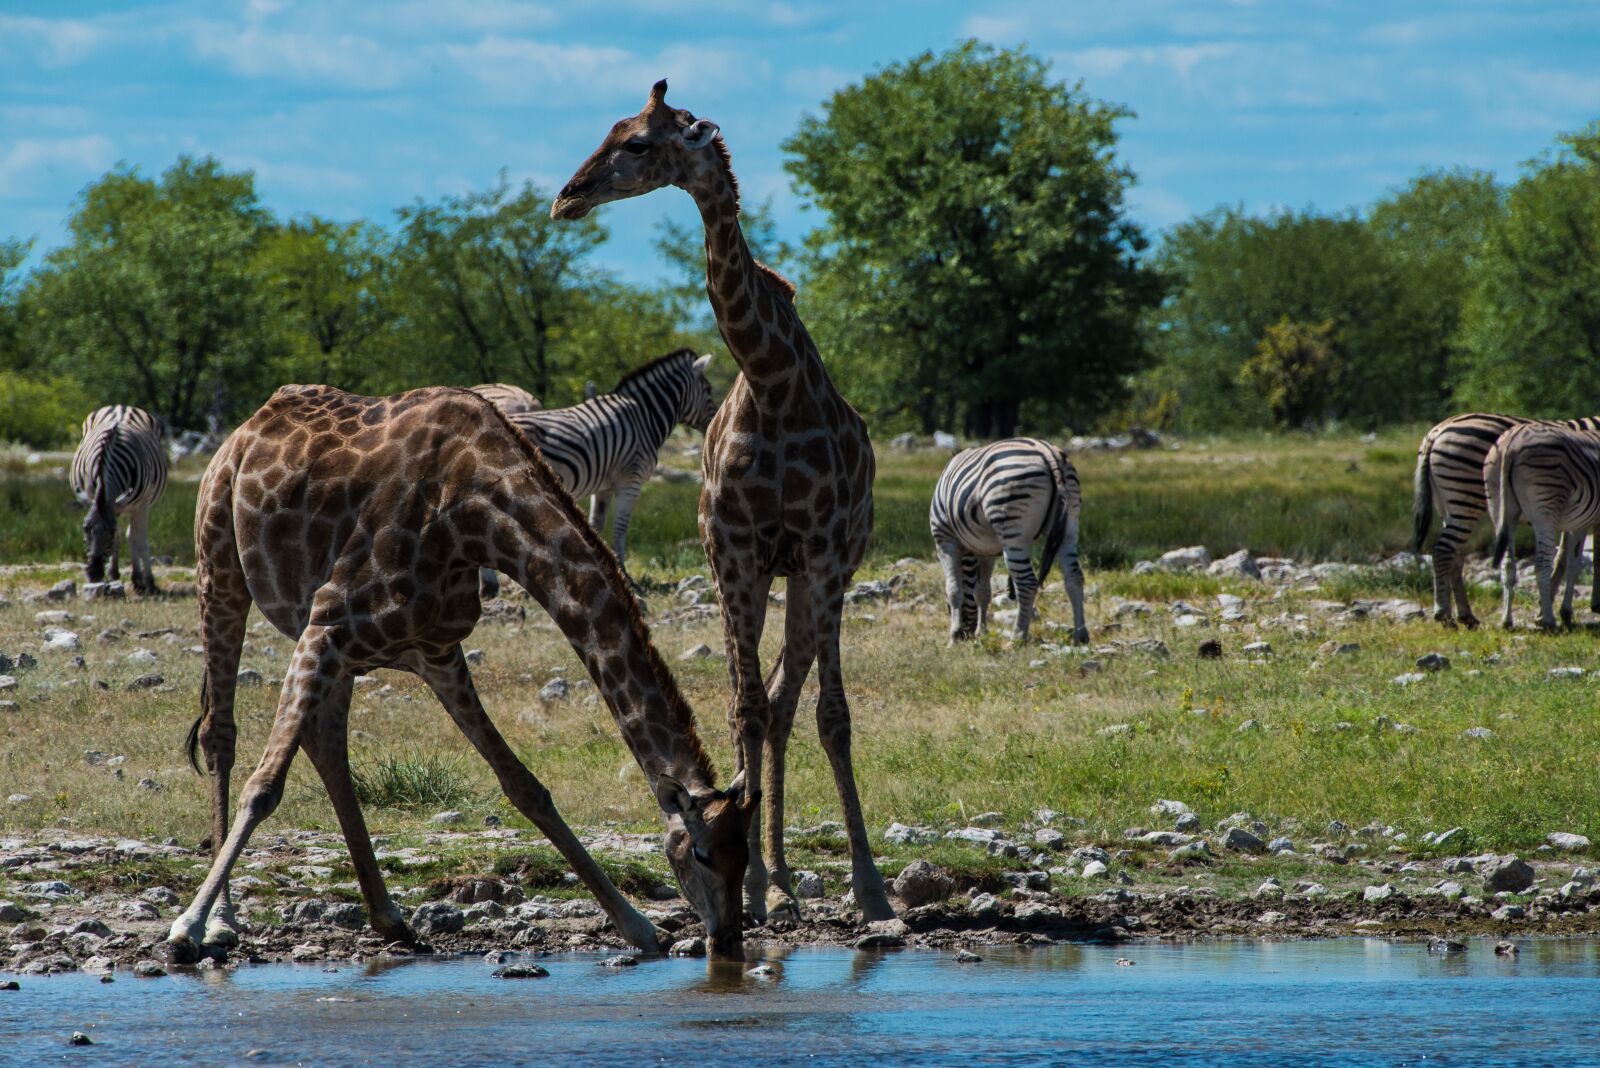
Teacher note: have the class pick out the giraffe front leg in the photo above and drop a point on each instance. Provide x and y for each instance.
(309, 682)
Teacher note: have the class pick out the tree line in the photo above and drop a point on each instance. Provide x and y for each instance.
(974, 268)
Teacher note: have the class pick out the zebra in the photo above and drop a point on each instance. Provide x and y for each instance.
(998, 499)
(1450, 474)
(119, 467)
(512, 400)
(1551, 474)
(605, 448)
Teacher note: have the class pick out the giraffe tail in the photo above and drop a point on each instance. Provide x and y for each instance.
(193, 743)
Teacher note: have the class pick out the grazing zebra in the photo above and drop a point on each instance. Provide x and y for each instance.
(605, 448)
(1551, 474)
(119, 467)
(1450, 474)
(512, 400)
(998, 499)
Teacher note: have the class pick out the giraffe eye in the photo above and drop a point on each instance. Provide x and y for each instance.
(636, 148)
(702, 856)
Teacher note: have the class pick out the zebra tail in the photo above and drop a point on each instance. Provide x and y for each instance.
(1422, 498)
(193, 743)
(1058, 530)
(1505, 515)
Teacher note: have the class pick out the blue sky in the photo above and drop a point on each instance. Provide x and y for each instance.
(350, 108)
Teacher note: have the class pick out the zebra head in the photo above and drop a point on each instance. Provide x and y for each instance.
(99, 536)
(659, 146)
(698, 406)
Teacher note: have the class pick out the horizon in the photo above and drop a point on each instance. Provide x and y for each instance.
(355, 113)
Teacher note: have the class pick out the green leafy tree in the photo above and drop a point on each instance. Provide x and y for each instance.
(975, 222)
(1294, 368)
(485, 282)
(12, 256)
(1530, 329)
(329, 281)
(155, 300)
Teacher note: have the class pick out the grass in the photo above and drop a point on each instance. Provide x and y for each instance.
(1325, 497)
(941, 733)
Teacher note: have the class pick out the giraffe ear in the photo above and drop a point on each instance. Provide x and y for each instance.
(700, 364)
(673, 797)
(700, 133)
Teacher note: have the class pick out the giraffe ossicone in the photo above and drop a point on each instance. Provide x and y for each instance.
(358, 526)
(788, 474)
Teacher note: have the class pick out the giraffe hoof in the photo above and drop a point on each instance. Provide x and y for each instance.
(782, 906)
(181, 950)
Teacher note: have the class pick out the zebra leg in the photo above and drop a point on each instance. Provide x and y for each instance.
(144, 578)
(1447, 576)
(984, 591)
(1570, 549)
(627, 497)
(971, 567)
(949, 554)
(1072, 579)
(1019, 563)
(1544, 555)
(1508, 586)
(1594, 572)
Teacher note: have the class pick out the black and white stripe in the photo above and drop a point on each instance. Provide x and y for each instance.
(512, 400)
(997, 500)
(606, 447)
(119, 468)
(1549, 474)
(1450, 477)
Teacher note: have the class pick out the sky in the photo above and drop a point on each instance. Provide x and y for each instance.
(351, 108)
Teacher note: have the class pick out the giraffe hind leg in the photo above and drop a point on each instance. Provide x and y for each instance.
(788, 678)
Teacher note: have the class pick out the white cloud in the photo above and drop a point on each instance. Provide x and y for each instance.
(1180, 60)
(517, 67)
(475, 16)
(344, 59)
(80, 157)
(53, 42)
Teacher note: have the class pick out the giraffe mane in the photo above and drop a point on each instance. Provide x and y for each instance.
(784, 287)
(681, 711)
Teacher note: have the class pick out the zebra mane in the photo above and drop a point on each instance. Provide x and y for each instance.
(640, 372)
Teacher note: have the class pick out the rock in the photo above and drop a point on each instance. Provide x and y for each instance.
(142, 656)
(249, 677)
(557, 689)
(80, 1039)
(1567, 841)
(621, 960)
(965, 956)
(1269, 888)
(1505, 949)
(520, 971)
(1478, 733)
(61, 641)
(1446, 945)
(900, 834)
(145, 682)
(1117, 730)
(10, 984)
(944, 440)
(1433, 662)
(985, 907)
(1187, 823)
(474, 656)
(1170, 808)
(880, 940)
(976, 835)
(149, 969)
(1049, 838)
(1188, 559)
(1566, 673)
(1508, 912)
(1258, 648)
(1451, 834)
(1249, 726)
(688, 947)
(437, 918)
(1086, 854)
(697, 652)
(1507, 873)
(1379, 893)
(808, 885)
(1281, 845)
(922, 883)
(448, 818)
(1198, 850)
(1094, 870)
(1239, 565)
(1408, 679)
(1242, 841)
(1210, 649)
(149, 784)
(11, 912)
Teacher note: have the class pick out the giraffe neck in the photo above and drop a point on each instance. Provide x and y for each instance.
(539, 539)
(756, 322)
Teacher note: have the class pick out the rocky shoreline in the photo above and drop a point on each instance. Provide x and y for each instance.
(62, 910)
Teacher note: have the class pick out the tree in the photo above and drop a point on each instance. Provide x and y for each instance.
(484, 283)
(1530, 329)
(975, 219)
(1294, 369)
(329, 282)
(12, 256)
(155, 301)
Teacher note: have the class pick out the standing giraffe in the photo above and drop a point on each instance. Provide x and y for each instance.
(358, 525)
(788, 482)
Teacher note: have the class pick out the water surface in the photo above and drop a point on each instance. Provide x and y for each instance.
(1346, 1002)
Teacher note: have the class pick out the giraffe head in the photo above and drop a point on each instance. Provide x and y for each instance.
(99, 536)
(708, 846)
(657, 147)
